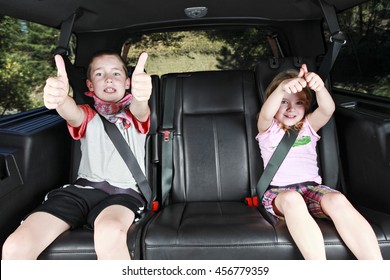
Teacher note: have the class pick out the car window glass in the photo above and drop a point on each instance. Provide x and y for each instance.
(26, 60)
(363, 64)
(189, 51)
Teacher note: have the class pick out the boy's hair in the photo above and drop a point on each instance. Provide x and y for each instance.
(102, 53)
(290, 74)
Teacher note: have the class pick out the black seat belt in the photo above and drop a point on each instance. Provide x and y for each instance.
(337, 39)
(275, 161)
(66, 33)
(75, 76)
(129, 158)
(167, 143)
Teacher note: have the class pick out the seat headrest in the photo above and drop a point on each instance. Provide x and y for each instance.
(266, 70)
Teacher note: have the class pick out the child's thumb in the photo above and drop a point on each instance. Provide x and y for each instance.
(140, 67)
(60, 64)
(301, 73)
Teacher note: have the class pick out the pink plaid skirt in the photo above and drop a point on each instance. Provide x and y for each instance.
(311, 193)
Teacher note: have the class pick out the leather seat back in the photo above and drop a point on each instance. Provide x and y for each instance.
(216, 157)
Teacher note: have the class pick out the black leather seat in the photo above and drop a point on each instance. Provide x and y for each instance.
(215, 129)
(216, 164)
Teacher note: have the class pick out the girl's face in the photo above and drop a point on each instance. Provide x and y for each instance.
(292, 109)
(108, 78)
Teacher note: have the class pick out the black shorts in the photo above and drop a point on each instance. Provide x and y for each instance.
(80, 206)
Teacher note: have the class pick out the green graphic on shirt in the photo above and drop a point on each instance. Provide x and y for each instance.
(302, 141)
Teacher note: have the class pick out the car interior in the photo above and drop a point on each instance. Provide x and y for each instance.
(202, 160)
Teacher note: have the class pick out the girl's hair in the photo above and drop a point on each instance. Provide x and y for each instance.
(102, 53)
(290, 74)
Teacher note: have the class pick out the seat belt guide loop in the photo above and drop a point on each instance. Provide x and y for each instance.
(339, 37)
(166, 134)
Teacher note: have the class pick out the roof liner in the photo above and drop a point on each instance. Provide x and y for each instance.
(103, 15)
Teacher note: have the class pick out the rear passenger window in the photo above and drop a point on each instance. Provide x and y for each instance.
(189, 51)
(26, 60)
(363, 64)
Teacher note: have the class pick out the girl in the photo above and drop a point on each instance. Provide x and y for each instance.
(296, 193)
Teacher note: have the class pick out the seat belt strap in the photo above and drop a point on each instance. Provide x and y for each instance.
(129, 158)
(167, 131)
(76, 78)
(275, 45)
(337, 39)
(275, 161)
(66, 33)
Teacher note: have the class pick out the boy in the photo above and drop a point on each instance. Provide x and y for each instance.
(105, 195)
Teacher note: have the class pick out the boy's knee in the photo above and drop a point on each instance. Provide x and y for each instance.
(109, 236)
(13, 248)
(109, 229)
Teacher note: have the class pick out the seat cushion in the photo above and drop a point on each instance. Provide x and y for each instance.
(209, 230)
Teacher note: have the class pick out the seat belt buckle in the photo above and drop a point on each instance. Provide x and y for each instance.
(249, 201)
(252, 201)
(155, 206)
(255, 200)
(166, 134)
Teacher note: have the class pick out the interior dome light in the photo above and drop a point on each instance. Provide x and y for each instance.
(195, 12)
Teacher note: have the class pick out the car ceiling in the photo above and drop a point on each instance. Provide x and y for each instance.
(105, 15)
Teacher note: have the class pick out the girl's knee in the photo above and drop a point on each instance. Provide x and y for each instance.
(289, 200)
(334, 202)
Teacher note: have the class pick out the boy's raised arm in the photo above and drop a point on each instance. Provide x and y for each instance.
(141, 89)
(56, 95)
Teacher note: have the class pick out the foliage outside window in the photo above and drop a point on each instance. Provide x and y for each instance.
(363, 64)
(26, 60)
(189, 51)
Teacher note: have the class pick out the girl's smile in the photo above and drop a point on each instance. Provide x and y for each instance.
(292, 109)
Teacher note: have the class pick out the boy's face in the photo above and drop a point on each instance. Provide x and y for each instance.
(292, 109)
(108, 78)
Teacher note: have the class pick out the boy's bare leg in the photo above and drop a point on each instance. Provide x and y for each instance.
(37, 232)
(110, 234)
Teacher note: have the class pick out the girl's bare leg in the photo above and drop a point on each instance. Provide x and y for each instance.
(353, 228)
(301, 225)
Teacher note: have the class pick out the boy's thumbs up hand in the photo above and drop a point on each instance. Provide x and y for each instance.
(60, 64)
(141, 83)
(57, 88)
(140, 67)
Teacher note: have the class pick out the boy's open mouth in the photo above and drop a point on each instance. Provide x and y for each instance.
(109, 90)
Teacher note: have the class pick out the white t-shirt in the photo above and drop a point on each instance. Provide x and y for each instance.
(100, 160)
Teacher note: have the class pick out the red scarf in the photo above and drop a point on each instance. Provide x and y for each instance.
(114, 112)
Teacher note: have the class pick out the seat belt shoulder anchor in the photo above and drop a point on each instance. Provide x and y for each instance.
(339, 37)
